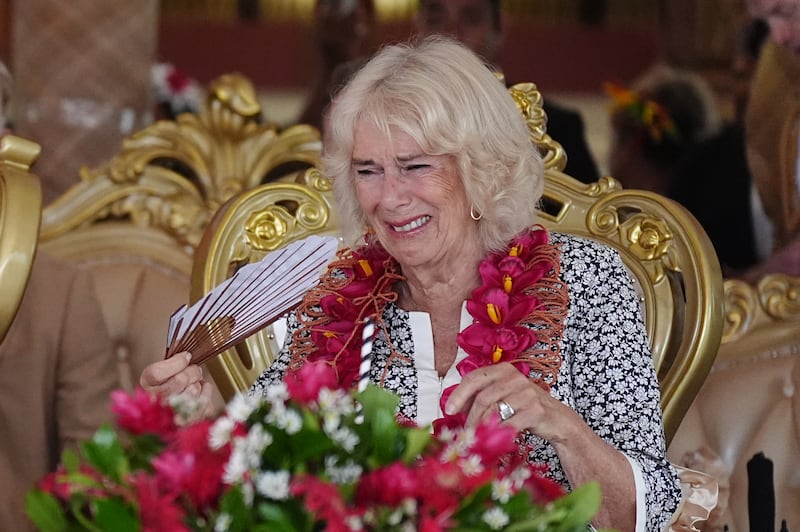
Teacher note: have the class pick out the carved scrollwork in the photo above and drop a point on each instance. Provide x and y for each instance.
(741, 305)
(172, 175)
(780, 296)
(603, 186)
(529, 101)
(316, 180)
(290, 212)
(645, 236)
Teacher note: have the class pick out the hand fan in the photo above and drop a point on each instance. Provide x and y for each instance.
(256, 295)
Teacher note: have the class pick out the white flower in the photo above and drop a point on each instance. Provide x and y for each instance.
(345, 474)
(223, 522)
(255, 442)
(447, 435)
(248, 493)
(277, 393)
(186, 407)
(237, 463)
(345, 437)
(273, 484)
(472, 465)
(220, 432)
(502, 490)
(240, 407)
(496, 518)
(331, 422)
(336, 402)
(353, 522)
(519, 476)
(285, 418)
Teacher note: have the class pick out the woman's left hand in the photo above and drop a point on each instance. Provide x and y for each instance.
(482, 390)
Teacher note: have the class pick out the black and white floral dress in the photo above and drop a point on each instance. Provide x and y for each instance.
(607, 373)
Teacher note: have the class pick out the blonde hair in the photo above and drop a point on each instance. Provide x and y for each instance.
(442, 95)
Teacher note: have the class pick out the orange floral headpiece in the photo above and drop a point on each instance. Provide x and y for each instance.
(650, 115)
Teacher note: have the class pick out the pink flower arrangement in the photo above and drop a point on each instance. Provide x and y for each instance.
(308, 456)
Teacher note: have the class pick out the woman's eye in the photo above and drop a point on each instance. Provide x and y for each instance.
(365, 172)
(416, 167)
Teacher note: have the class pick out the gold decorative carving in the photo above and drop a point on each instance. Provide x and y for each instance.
(780, 296)
(173, 175)
(529, 100)
(773, 302)
(289, 212)
(741, 304)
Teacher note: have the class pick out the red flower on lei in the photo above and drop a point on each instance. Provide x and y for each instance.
(361, 283)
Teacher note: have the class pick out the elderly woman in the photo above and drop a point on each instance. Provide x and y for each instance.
(479, 311)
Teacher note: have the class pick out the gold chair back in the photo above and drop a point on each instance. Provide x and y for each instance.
(664, 247)
(243, 231)
(135, 221)
(20, 213)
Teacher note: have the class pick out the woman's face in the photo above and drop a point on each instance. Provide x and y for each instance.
(415, 202)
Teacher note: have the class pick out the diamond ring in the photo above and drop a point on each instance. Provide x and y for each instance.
(506, 411)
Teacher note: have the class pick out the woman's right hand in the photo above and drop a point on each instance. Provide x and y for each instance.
(175, 375)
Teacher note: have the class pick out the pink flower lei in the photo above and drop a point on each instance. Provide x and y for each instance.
(519, 286)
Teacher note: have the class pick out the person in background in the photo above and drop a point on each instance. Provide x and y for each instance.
(343, 34)
(669, 138)
(57, 371)
(479, 25)
(480, 311)
(772, 132)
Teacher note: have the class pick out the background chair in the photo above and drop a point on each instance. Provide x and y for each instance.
(134, 222)
(750, 402)
(20, 213)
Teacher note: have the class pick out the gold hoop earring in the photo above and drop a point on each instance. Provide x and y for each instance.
(472, 214)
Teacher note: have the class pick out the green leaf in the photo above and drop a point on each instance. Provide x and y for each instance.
(114, 515)
(376, 399)
(309, 445)
(70, 460)
(276, 517)
(583, 503)
(45, 512)
(416, 441)
(571, 513)
(232, 503)
(105, 453)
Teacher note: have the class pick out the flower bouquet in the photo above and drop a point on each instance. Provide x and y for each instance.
(307, 457)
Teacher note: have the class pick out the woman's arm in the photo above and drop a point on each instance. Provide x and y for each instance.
(603, 418)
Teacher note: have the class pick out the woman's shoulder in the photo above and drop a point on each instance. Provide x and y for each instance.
(587, 263)
(581, 249)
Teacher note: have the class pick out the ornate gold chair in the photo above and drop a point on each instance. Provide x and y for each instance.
(20, 213)
(135, 221)
(664, 247)
(666, 250)
(243, 231)
(750, 401)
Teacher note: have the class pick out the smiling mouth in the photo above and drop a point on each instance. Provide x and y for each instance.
(413, 224)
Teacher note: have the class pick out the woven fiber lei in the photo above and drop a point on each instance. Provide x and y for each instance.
(519, 287)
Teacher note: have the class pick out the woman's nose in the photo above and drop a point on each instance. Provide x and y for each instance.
(395, 188)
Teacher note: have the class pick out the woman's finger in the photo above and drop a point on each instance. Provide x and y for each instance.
(159, 372)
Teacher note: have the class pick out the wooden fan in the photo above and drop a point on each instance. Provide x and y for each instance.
(254, 297)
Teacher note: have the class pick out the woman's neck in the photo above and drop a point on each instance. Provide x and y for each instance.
(443, 287)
